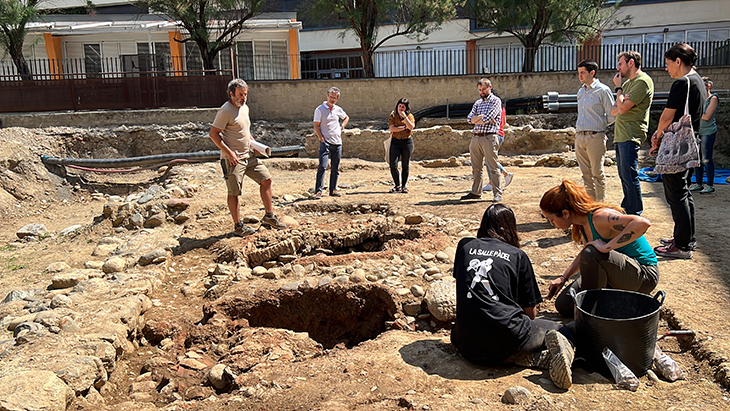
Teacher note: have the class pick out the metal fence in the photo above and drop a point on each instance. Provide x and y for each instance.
(248, 67)
(511, 58)
(114, 93)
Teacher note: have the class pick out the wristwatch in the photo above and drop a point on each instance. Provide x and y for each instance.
(617, 89)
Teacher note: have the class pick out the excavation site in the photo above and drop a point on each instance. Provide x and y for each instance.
(124, 286)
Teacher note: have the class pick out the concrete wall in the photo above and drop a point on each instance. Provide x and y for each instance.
(374, 99)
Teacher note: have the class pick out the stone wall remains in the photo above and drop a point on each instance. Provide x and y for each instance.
(443, 142)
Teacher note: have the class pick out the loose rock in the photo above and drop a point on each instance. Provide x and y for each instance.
(35, 390)
(516, 395)
(114, 265)
(32, 230)
(441, 300)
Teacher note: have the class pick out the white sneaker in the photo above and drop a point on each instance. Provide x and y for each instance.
(508, 179)
(487, 187)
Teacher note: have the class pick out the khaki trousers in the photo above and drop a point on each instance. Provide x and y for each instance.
(590, 151)
(485, 148)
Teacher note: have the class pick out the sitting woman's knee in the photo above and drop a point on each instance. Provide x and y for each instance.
(564, 305)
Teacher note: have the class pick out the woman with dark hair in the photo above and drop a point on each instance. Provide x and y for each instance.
(615, 252)
(496, 295)
(401, 124)
(688, 90)
(708, 132)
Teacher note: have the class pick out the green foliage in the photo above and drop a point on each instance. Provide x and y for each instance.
(14, 15)
(13, 264)
(536, 21)
(212, 25)
(410, 18)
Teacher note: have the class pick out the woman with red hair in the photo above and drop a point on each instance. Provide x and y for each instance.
(615, 253)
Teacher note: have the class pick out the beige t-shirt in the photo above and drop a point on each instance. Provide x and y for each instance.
(236, 126)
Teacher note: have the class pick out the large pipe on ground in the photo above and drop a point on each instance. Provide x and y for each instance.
(553, 101)
(196, 157)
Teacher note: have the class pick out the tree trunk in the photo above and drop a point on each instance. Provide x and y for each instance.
(367, 62)
(528, 64)
(16, 54)
(207, 57)
(22, 66)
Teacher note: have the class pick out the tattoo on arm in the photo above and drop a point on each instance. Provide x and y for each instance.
(619, 227)
(613, 217)
(626, 237)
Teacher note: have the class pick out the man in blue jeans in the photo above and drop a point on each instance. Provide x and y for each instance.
(327, 126)
(633, 101)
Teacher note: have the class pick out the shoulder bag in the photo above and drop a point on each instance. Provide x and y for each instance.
(678, 150)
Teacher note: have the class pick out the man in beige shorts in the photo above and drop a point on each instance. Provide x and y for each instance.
(231, 132)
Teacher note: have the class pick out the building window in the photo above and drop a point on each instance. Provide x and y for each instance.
(654, 38)
(271, 60)
(330, 65)
(244, 60)
(719, 35)
(675, 37)
(157, 59)
(697, 35)
(92, 60)
(193, 59)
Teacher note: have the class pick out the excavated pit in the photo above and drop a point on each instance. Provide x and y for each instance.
(331, 314)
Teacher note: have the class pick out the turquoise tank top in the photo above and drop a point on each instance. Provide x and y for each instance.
(708, 127)
(639, 249)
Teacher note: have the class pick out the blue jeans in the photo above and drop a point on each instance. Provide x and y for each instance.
(326, 151)
(627, 157)
(707, 144)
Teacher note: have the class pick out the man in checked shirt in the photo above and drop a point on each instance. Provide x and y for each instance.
(485, 115)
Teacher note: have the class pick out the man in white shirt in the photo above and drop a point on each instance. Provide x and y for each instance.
(594, 115)
(231, 132)
(327, 126)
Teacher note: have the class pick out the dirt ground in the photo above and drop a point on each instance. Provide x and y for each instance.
(398, 369)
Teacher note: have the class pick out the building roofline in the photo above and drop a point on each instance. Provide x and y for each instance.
(108, 23)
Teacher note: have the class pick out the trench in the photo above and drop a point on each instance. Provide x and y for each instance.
(356, 238)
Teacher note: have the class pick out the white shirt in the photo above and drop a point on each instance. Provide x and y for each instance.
(329, 122)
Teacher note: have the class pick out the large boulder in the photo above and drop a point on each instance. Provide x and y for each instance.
(441, 300)
(34, 390)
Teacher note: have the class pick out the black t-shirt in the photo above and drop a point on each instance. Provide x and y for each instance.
(494, 282)
(697, 96)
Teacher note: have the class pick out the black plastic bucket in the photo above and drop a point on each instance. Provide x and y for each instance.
(624, 321)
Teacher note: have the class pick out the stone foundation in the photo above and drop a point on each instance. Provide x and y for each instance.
(444, 141)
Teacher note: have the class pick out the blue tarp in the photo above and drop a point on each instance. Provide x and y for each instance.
(647, 174)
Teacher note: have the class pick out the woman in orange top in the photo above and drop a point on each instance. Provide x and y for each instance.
(401, 124)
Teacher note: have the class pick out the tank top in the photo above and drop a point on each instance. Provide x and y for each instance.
(708, 127)
(639, 249)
